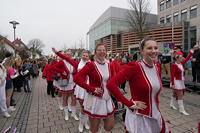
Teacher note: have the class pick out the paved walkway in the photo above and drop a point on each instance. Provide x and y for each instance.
(38, 113)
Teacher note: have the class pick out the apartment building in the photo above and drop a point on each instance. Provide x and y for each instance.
(182, 12)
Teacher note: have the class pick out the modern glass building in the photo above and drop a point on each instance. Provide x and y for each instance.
(113, 21)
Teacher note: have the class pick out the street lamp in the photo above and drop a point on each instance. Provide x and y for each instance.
(14, 23)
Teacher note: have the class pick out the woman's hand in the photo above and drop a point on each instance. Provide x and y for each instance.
(172, 86)
(120, 105)
(194, 48)
(138, 105)
(98, 91)
(64, 73)
(54, 50)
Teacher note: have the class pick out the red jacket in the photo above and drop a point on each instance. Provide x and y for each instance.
(70, 61)
(95, 80)
(176, 72)
(60, 68)
(140, 86)
(47, 73)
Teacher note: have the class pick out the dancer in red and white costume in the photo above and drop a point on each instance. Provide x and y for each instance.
(98, 104)
(143, 114)
(80, 93)
(57, 87)
(67, 71)
(177, 80)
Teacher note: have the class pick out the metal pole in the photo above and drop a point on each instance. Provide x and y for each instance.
(14, 34)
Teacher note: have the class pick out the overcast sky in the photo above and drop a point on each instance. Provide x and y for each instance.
(55, 22)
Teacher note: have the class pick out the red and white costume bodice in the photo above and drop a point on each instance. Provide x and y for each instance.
(154, 82)
(103, 71)
(137, 73)
(177, 70)
(100, 105)
(92, 71)
(145, 85)
(70, 71)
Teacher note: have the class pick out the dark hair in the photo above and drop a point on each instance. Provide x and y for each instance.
(143, 42)
(92, 57)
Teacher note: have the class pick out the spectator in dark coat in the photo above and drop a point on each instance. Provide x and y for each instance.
(196, 65)
(25, 77)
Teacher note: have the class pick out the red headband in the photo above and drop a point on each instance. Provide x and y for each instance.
(178, 53)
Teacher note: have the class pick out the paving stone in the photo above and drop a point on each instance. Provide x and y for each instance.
(44, 130)
(38, 113)
(49, 124)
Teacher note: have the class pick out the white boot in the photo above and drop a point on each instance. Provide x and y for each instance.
(172, 103)
(181, 107)
(86, 122)
(81, 118)
(66, 113)
(59, 103)
(74, 113)
(6, 114)
(69, 105)
(61, 107)
(11, 109)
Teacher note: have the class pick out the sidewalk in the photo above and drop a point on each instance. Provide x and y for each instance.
(38, 113)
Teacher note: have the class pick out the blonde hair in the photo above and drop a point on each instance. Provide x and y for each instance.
(85, 51)
(8, 63)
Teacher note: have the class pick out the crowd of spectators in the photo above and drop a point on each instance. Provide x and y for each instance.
(15, 74)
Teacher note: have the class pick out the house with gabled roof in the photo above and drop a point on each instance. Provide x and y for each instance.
(6, 44)
(20, 44)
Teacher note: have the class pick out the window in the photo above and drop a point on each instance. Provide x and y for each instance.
(162, 20)
(193, 35)
(175, 19)
(184, 15)
(168, 18)
(162, 5)
(175, 2)
(168, 3)
(119, 41)
(193, 11)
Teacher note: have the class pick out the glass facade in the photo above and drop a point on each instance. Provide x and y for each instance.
(190, 36)
(112, 26)
(193, 35)
(186, 36)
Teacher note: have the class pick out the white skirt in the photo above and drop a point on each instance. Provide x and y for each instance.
(179, 85)
(80, 93)
(55, 83)
(136, 123)
(98, 107)
(68, 88)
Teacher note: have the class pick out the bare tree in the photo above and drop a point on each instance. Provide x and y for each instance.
(137, 15)
(24, 54)
(64, 47)
(35, 46)
(81, 43)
